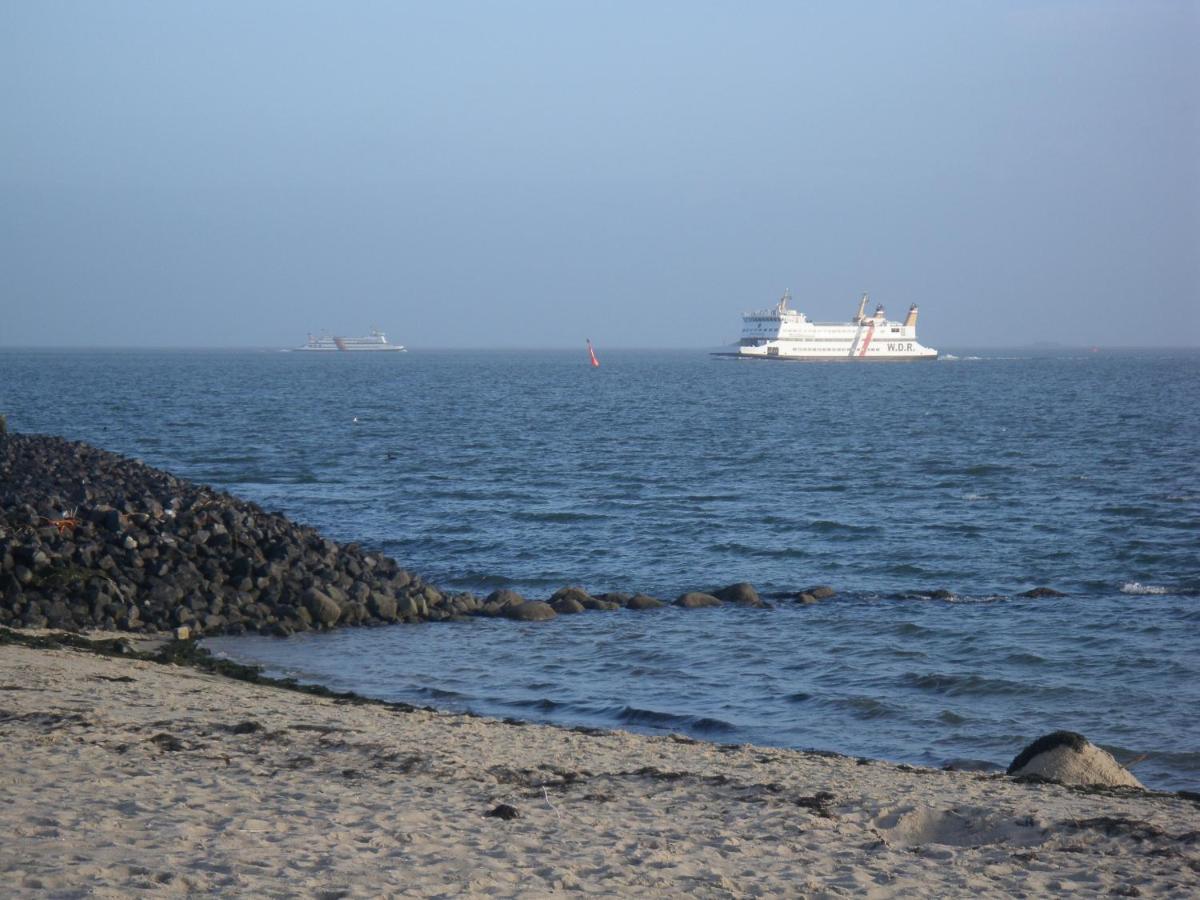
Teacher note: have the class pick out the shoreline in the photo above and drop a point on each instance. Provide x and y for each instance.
(125, 775)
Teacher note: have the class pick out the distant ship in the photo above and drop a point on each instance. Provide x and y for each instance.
(783, 333)
(374, 342)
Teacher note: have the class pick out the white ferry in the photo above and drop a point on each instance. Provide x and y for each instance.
(374, 342)
(783, 333)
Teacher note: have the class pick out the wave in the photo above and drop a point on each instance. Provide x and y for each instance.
(954, 685)
(542, 704)
(633, 715)
(558, 517)
(864, 707)
(762, 552)
(1136, 587)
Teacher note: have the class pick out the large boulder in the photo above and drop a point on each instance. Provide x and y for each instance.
(740, 594)
(382, 606)
(644, 601)
(696, 600)
(530, 611)
(1070, 758)
(322, 607)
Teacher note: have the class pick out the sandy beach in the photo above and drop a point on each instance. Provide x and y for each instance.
(126, 777)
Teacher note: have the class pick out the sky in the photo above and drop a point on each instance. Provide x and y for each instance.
(528, 174)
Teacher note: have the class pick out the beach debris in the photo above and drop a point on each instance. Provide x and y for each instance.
(502, 811)
(247, 727)
(182, 633)
(696, 600)
(818, 803)
(1067, 757)
(167, 742)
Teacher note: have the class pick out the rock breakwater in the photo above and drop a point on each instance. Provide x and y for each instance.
(91, 539)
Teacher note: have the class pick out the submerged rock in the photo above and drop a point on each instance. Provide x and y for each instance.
(644, 601)
(619, 598)
(566, 605)
(741, 594)
(530, 611)
(820, 592)
(696, 600)
(597, 604)
(1070, 758)
(1041, 592)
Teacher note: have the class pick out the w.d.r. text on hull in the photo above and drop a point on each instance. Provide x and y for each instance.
(783, 333)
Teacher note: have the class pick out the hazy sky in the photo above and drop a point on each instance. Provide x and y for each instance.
(530, 174)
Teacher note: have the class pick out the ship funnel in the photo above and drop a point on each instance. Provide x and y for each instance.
(911, 321)
(862, 308)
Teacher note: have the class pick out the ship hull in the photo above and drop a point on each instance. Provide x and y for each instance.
(842, 358)
(388, 349)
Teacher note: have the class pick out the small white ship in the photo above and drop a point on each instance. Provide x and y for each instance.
(783, 333)
(374, 342)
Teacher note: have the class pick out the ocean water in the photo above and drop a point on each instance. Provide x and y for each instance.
(668, 471)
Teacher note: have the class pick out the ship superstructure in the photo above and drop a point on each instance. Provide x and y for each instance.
(374, 342)
(784, 333)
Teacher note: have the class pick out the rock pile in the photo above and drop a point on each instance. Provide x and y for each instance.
(90, 539)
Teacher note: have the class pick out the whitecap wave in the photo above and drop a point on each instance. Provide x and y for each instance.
(1136, 587)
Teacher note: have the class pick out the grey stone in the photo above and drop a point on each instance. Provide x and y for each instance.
(644, 601)
(578, 594)
(740, 594)
(696, 600)
(566, 605)
(530, 611)
(322, 607)
(383, 606)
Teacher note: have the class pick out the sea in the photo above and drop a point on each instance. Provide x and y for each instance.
(984, 476)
